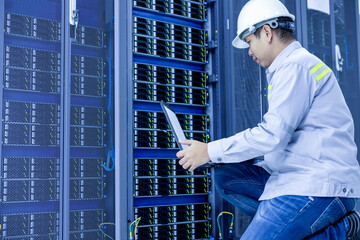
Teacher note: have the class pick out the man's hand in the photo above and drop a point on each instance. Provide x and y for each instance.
(194, 156)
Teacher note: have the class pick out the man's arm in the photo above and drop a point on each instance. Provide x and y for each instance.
(291, 96)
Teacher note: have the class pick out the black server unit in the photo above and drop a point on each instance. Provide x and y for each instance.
(169, 59)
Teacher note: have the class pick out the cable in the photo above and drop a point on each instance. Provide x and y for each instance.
(132, 223)
(111, 153)
(110, 157)
(130, 232)
(106, 223)
(231, 225)
(136, 227)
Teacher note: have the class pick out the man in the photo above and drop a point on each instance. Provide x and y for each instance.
(307, 185)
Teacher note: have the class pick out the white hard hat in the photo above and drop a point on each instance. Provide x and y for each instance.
(255, 14)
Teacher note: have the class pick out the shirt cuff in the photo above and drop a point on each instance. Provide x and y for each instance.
(215, 152)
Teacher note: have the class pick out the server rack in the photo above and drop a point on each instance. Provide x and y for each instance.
(170, 54)
(91, 123)
(31, 121)
(165, 59)
(56, 129)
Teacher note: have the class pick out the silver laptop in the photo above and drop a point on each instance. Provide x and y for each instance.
(174, 124)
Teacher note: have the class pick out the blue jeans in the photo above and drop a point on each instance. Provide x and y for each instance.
(284, 217)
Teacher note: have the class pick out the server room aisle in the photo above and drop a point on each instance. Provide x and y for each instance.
(56, 179)
(86, 152)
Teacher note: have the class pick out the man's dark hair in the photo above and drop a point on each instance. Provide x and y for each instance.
(285, 35)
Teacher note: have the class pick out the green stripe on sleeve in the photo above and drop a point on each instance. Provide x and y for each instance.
(314, 69)
(321, 75)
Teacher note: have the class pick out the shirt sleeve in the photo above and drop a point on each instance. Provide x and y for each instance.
(290, 95)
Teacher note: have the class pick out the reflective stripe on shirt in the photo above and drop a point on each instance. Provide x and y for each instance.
(319, 71)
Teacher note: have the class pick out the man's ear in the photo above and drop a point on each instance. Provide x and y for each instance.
(268, 33)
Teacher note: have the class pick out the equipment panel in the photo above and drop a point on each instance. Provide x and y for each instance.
(28, 123)
(16, 24)
(175, 222)
(156, 83)
(152, 131)
(194, 10)
(166, 40)
(30, 226)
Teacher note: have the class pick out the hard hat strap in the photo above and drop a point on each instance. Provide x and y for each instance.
(273, 23)
(287, 25)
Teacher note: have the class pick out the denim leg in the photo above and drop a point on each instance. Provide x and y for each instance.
(335, 231)
(241, 184)
(296, 217)
(338, 229)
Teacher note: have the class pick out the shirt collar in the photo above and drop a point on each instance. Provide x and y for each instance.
(282, 56)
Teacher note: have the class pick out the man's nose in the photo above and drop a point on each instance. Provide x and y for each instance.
(250, 53)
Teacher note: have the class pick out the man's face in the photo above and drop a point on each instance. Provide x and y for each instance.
(259, 49)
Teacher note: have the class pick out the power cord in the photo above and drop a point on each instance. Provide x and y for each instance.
(231, 225)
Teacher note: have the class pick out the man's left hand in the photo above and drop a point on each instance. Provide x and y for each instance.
(194, 156)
